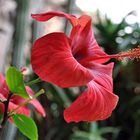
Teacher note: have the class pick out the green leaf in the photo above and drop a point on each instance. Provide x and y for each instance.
(14, 80)
(26, 126)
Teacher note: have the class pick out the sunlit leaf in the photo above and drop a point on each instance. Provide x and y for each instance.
(14, 79)
(26, 126)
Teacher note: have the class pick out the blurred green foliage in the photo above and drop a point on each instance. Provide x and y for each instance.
(116, 38)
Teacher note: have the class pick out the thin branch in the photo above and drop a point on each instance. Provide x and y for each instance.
(6, 105)
(5, 116)
(26, 102)
(38, 80)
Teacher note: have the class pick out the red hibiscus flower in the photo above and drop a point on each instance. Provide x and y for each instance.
(15, 100)
(75, 61)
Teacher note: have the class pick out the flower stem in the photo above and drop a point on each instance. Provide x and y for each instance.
(26, 102)
(33, 82)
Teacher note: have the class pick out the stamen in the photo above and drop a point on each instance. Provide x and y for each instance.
(130, 54)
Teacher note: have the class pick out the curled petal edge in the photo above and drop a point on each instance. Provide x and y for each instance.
(97, 103)
(46, 16)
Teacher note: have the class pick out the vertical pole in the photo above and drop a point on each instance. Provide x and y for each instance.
(19, 42)
(70, 7)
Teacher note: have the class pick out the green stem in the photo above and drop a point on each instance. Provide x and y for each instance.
(33, 82)
(26, 102)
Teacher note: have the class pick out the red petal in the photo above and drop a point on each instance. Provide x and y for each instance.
(23, 110)
(38, 107)
(103, 75)
(52, 61)
(36, 103)
(83, 41)
(3, 86)
(17, 100)
(97, 103)
(1, 108)
(49, 15)
(2, 97)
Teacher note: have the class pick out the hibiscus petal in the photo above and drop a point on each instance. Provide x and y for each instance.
(3, 86)
(17, 100)
(38, 107)
(1, 108)
(49, 15)
(52, 61)
(97, 103)
(84, 44)
(103, 74)
(36, 103)
(2, 98)
(23, 110)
